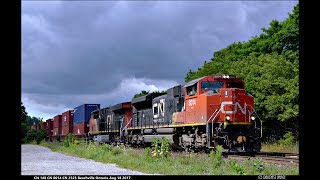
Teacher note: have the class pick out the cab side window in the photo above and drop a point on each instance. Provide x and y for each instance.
(192, 90)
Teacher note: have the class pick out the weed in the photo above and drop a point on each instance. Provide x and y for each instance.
(160, 149)
(106, 147)
(216, 156)
(68, 141)
(91, 146)
(287, 140)
(147, 152)
(258, 165)
(238, 169)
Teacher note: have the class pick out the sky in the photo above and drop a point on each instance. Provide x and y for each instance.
(104, 52)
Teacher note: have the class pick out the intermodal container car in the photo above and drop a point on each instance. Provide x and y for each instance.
(83, 113)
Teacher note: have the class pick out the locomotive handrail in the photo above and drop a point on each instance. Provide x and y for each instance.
(259, 120)
(254, 111)
(215, 113)
(126, 125)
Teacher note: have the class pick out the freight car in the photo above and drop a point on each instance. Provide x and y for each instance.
(206, 112)
(74, 121)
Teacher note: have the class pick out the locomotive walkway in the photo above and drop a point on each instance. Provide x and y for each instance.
(38, 160)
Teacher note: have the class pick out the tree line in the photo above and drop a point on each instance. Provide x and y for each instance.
(27, 121)
(269, 65)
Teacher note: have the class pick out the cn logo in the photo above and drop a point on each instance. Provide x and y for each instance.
(236, 106)
(192, 102)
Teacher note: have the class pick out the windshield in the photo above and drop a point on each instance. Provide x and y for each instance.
(212, 85)
(235, 85)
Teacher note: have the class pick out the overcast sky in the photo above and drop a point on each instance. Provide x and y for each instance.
(106, 51)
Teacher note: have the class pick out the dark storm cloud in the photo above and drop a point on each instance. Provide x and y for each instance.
(85, 49)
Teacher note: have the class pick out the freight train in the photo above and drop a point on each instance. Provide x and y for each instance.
(199, 115)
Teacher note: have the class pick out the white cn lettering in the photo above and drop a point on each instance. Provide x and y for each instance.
(236, 106)
(192, 102)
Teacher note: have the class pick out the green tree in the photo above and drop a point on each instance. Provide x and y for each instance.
(37, 136)
(23, 117)
(41, 135)
(33, 120)
(31, 135)
(24, 114)
(269, 65)
(142, 93)
(162, 92)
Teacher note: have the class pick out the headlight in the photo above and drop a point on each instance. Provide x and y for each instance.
(227, 118)
(252, 118)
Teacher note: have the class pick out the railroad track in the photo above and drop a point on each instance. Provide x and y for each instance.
(273, 157)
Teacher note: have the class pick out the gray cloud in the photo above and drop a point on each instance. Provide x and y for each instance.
(74, 52)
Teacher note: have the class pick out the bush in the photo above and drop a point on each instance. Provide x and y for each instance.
(41, 135)
(216, 156)
(34, 135)
(160, 149)
(287, 140)
(165, 147)
(106, 147)
(31, 135)
(69, 140)
(91, 146)
(238, 169)
(76, 142)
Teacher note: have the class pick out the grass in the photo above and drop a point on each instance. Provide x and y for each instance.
(287, 144)
(174, 164)
(277, 147)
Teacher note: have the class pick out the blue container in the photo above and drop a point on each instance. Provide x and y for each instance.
(83, 113)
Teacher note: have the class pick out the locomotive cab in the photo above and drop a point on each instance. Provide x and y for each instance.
(219, 93)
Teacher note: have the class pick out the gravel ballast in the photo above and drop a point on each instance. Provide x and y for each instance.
(38, 160)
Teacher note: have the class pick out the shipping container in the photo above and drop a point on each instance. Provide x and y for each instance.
(83, 113)
(80, 128)
(67, 118)
(41, 125)
(57, 121)
(56, 131)
(66, 130)
(48, 126)
(38, 127)
(34, 127)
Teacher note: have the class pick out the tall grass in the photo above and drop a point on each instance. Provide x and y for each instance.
(277, 147)
(287, 144)
(172, 164)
